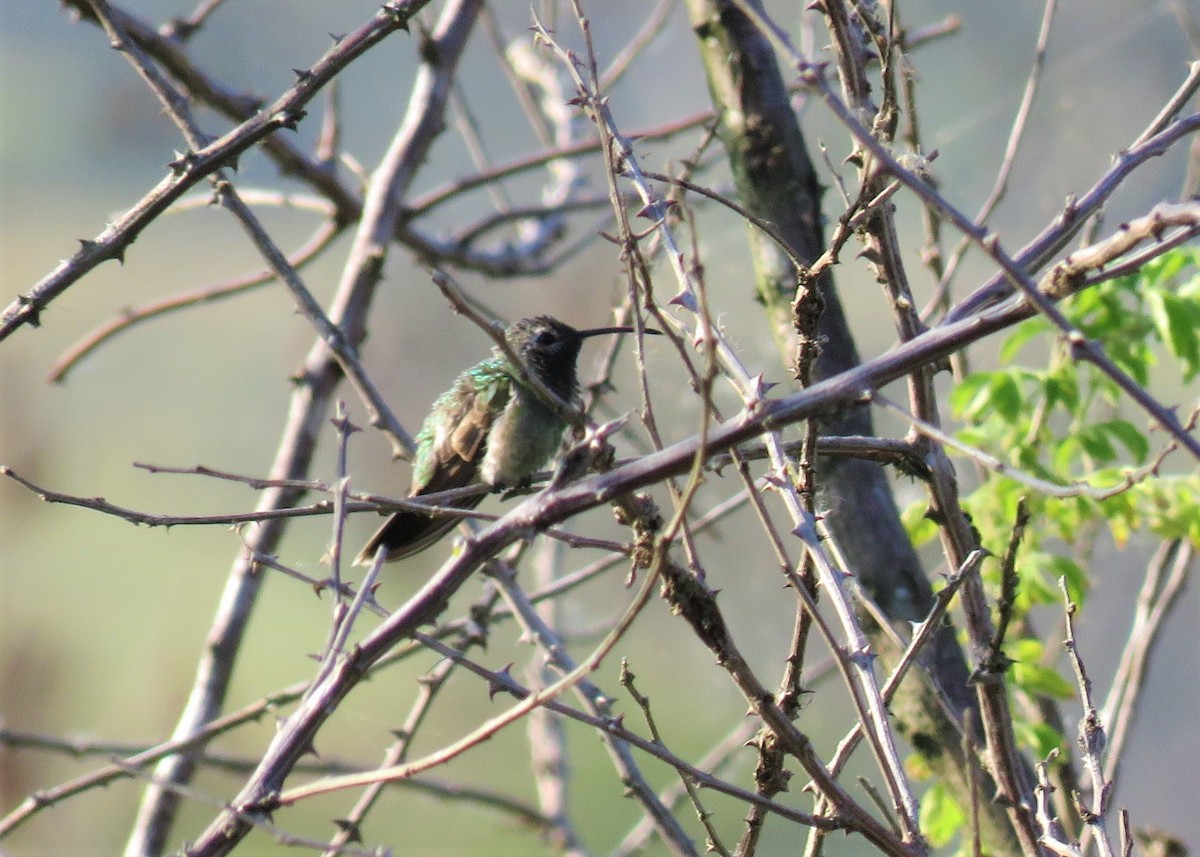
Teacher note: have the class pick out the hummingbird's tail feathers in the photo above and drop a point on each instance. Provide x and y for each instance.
(407, 533)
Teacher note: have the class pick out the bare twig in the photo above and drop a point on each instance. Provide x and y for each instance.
(133, 316)
(1165, 579)
(921, 636)
(596, 703)
(689, 297)
(193, 167)
(643, 702)
(1016, 135)
(1092, 739)
(46, 798)
(321, 372)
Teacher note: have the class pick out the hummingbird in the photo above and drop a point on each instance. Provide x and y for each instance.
(490, 427)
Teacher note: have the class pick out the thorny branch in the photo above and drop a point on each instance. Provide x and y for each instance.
(869, 45)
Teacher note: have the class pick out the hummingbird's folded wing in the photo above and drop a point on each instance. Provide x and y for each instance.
(450, 446)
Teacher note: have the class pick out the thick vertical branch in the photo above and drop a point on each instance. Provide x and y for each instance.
(777, 182)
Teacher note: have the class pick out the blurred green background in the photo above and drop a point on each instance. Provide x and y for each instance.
(101, 622)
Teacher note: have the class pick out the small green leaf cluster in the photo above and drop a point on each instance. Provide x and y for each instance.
(1066, 423)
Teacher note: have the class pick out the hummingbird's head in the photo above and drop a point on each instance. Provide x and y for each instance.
(550, 348)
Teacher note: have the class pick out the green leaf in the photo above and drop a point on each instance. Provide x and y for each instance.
(1042, 739)
(1090, 301)
(918, 524)
(1127, 434)
(970, 397)
(917, 767)
(1064, 389)
(1120, 529)
(1166, 266)
(1190, 289)
(1096, 444)
(975, 436)
(1035, 678)
(1065, 567)
(1177, 319)
(1028, 673)
(1025, 649)
(941, 815)
(1005, 396)
(1065, 455)
(1037, 587)
(1032, 329)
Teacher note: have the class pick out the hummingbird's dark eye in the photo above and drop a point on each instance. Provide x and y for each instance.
(544, 338)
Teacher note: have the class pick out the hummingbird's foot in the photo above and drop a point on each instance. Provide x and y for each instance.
(521, 487)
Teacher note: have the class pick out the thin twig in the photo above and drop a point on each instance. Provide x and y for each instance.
(1166, 576)
(321, 240)
(1092, 738)
(1016, 136)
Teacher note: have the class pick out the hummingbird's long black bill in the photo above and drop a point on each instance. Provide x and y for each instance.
(601, 331)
